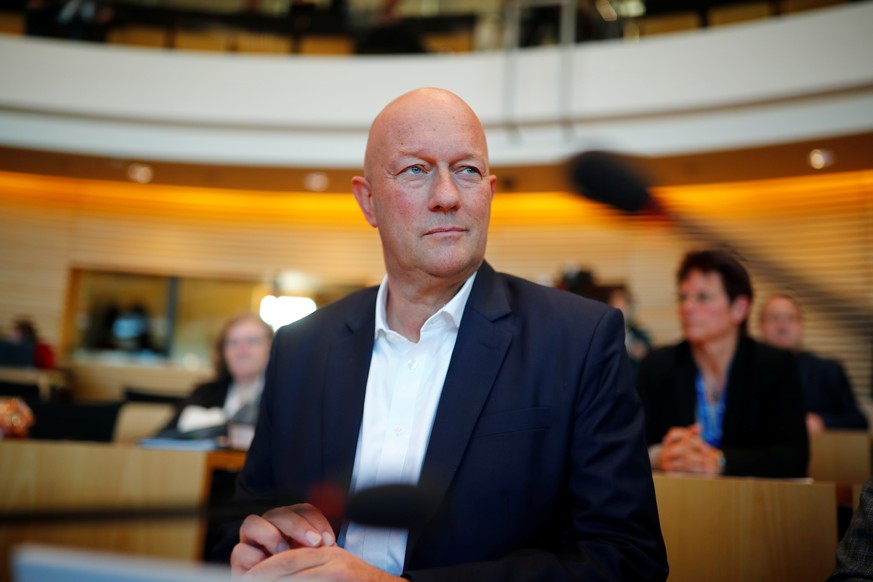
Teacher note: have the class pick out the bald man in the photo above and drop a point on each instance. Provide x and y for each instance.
(509, 403)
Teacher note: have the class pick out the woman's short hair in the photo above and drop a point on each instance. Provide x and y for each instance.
(734, 276)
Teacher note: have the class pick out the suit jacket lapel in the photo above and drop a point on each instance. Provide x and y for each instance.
(348, 366)
(478, 355)
(686, 385)
(736, 398)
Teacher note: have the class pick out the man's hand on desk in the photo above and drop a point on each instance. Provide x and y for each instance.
(297, 542)
(325, 563)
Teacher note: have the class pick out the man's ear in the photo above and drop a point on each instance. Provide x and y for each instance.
(364, 196)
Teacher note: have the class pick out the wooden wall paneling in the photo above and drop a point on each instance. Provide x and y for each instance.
(261, 43)
(139, 35)
(790, 6)
(817, 228)
(207, 39)
(669, 23)
(35, 237)
(736, 13)
(338, 45)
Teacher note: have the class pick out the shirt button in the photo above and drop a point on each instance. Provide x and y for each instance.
(398, 430)
(412, 364)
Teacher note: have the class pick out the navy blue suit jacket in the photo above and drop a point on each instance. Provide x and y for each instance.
(827, 392)
(537, 456)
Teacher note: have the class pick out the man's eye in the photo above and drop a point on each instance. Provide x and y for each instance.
(415, 170)
(471, 170)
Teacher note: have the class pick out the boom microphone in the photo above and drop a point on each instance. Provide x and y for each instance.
(603, 177)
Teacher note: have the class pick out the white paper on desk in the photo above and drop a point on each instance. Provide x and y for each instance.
(198, 417)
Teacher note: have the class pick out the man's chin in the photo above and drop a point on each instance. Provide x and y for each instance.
(454, 267)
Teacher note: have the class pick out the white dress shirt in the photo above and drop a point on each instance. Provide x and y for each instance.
(403, 391)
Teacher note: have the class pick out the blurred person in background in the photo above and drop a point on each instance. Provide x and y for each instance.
(233, 396)
(24, 333)
(636, 339)
(830, 402)
(719, 402)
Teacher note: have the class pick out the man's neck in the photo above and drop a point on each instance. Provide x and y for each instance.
(410, 304)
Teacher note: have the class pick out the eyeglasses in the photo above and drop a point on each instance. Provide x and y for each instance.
(252, 341)
(702, 298)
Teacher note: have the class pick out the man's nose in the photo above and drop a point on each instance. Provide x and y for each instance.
(444, 195)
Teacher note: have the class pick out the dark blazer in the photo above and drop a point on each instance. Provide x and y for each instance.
(208, 395)
(827, 392)
(537, 458)
(764, 426)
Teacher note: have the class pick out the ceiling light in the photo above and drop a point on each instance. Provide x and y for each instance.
(821, 158)
(316, 181)
(140, 173)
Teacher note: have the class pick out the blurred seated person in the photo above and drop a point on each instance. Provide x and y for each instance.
(232, 398)
(830, 402)
(719, 402)
(131, 330)
(636, 339)
(73, 19)
(25, 349)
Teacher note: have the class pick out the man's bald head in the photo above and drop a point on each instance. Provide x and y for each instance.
(398, 118)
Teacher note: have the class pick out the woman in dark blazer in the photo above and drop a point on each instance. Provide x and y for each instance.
(241, 354)
(720, 402)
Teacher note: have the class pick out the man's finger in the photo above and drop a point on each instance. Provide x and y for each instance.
(244, 557)
(303, 524)
(260, 532)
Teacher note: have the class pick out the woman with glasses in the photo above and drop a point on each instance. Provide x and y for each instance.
(719, 402)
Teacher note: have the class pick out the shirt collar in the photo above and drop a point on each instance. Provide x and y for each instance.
(451, 311)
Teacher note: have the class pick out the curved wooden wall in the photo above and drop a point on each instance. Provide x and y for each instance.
(817, 230)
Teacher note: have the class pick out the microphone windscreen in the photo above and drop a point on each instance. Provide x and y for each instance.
(603, 177)
(394, 506)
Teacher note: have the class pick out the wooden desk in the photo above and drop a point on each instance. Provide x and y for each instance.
(729, 529)
(842, 457)
(57, 475)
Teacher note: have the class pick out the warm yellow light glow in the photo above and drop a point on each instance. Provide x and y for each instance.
(313, 210)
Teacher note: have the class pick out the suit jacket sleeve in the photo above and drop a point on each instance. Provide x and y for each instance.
(843, 411)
